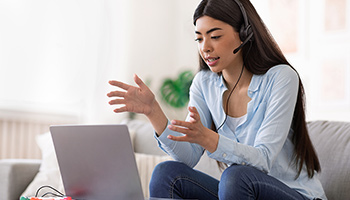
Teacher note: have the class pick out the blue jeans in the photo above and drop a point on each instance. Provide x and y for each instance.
(176, 180)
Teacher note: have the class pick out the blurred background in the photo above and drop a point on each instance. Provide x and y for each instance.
(56, 57)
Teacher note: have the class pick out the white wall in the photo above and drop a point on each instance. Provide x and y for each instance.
(57, 56)
(55, 53)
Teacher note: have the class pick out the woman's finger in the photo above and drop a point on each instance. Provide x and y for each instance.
(193, 109)
(182, 123)
(194, 113)
(116, 94)
(179, 138)
(120, 84)
(179, 129)
(121, 109)
(117, 101)
(139, 82)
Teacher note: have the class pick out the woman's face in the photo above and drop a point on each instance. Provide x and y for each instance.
(216, 42)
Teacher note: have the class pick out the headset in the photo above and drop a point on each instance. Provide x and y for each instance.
(246, 32)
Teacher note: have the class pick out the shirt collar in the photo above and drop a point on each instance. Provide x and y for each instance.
(221, 81)
(253, 87)
(254, 83)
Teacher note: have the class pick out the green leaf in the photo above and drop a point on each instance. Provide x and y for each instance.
(176, 92)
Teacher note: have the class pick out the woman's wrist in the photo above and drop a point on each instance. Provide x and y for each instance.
(157, 118)
(212, 142)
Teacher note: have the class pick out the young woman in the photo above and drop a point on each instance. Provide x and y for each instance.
(246, 110)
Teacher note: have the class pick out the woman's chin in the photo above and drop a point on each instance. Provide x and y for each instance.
(215, 69)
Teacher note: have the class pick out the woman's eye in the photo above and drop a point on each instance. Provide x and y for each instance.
(198, 39)
(215, 37)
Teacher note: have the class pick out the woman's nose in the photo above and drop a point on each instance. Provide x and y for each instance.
(206, 47)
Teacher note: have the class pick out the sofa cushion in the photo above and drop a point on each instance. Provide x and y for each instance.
(144, 141)
(15, 175)
(332, 144)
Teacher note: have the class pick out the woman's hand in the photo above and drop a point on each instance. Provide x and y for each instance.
(194, 131)
(138, 100)
(133, 99)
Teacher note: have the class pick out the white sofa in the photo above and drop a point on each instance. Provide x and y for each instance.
(331, 140)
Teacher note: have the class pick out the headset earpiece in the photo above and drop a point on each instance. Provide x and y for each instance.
(246, 31)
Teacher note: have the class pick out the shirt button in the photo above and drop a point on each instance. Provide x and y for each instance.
(224, 155)
(243, 163)
(250, 92)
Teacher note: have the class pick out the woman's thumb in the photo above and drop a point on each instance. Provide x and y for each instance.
(138, 81)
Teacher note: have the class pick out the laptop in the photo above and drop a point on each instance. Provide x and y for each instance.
(97, 162)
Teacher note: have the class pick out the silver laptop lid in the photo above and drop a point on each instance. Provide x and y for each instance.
(97, 162)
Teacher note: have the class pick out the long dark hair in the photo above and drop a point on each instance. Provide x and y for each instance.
(264, 53)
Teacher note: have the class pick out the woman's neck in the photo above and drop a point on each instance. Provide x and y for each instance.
(231, 77)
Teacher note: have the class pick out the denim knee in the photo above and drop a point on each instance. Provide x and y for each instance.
(163, 174)
(172, 179)
(233, 179)
(167, 168)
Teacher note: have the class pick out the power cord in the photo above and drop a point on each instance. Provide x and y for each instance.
(55, 194)
(50, 187)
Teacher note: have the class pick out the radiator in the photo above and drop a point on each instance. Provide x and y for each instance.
(18, 131)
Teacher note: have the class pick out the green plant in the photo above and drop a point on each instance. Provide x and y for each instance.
(176, 92)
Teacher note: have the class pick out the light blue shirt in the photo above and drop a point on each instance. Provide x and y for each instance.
(263, 140)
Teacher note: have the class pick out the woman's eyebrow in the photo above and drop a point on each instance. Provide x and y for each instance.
(211, 30)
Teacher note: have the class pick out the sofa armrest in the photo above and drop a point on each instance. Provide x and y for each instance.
(15, 176)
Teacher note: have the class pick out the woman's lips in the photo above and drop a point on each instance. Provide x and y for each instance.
(212, 61)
